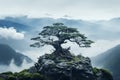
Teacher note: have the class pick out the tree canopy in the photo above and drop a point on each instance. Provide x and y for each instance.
(58, 34)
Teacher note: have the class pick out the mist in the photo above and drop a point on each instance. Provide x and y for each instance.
(13, 68)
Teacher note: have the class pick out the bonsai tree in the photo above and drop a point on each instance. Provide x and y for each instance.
(58, 34)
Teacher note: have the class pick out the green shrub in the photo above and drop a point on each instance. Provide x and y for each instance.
(8, 73)
(2, 78)
(25, 70)
(37, 76)
(106, 72)
(11, 77)
(15, 74)
(95, 70)
(24, 75)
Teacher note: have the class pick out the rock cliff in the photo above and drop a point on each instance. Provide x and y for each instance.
(68, 68)
(53, 67)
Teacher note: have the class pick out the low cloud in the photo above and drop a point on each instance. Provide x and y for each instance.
(34, 53)
(13, 68)
(96, 48)
(11, 33)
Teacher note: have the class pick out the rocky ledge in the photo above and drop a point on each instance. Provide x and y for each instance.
(58, 67)
(68, 68)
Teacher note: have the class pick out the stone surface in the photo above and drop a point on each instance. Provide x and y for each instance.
(65, 68)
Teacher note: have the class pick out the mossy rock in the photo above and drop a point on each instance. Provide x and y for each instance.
(95, 70)
(106, 73)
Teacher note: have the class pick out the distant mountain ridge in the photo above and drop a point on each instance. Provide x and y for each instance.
(7, 54)
(104, 27)
(16, 25)
(110, 60)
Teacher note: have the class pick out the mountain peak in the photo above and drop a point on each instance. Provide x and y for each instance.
(110, 60)
(7, 54)
(117, 46)
(68, 68)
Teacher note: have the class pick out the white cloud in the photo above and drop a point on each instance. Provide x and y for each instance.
(85, 9)
(34, 53)
(11, 33)
(98, 47)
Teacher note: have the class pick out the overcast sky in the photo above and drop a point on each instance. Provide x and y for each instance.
(78, 9)
(74, 9)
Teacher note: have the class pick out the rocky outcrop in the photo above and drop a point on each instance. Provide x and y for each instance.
(68, 68)
(53, 67)
(110, 60)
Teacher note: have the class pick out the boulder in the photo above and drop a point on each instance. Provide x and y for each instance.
(64, 68)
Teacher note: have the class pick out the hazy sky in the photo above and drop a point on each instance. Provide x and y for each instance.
(74, 9)
(80, 9)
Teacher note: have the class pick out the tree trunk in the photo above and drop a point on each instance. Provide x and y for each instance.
(58, 47)
(60, 51)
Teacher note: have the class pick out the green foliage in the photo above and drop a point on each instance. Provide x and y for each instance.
(16, 74)
(95, 70)
(62, 33)
(106, 75)
(23, 75)
(23, 71)
(2, 78)
(7, 73)
(76, 59)
(106, 72)
(26, 76)
(11, 77)
(37, 76)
